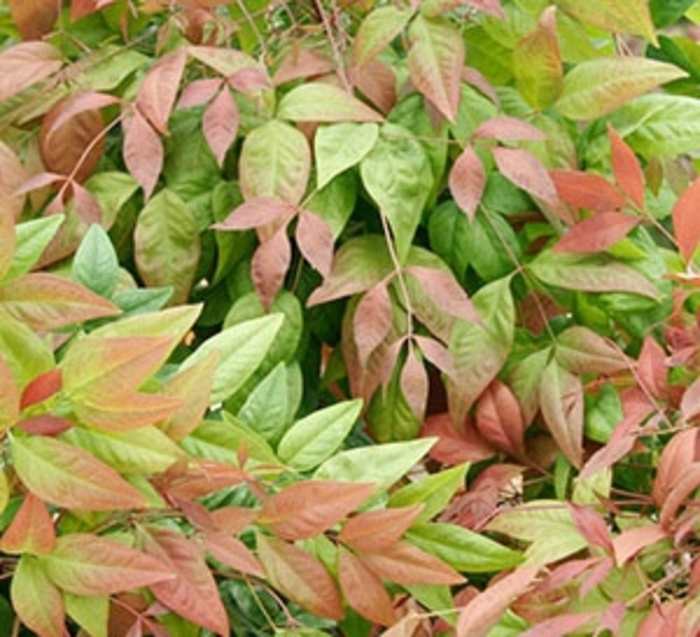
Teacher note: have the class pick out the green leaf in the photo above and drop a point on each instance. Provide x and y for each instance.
(389, 415)
(596, 87)
(173, 322)
(241, 348)
(620, 16)
(90, 613)
(31, 240)
(266, 409)
(112, 190)
(381, 464)
(463, 549)
(335, 202)
(319, 102)
(16, 340)
(318, 436)
(377, 31)
(37, 602)
(665, 13)
(397, 175)
(95, 264)
(166, 241)
(340, 146)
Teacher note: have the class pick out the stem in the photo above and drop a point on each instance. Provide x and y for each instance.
(337, 54)
(399, 275)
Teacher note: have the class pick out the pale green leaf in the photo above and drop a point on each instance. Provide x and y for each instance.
(377, 31)
(340, 146)
(621, 16)
(16, 339)
(335, 202)
(266, 409)
(90, 613)
(36, 600)
(319, 102)
(95, 264)
(112, 190)
(174, 322)
(31, 240)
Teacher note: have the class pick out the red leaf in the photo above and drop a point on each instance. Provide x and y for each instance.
(315, 240)
(372, 321)
(414, 384)
(404, 563)
(187, 481)
(686, 221)
(256, 213)
(199, 92)
(596, 233)
(33, 18)
(143, 152)
(445, 291)
(232, 552)
(157, 93)
(377, 530)
(307, 509)
(682, 489)
(467, 181)
(652, 371)
(45, 425)
(587, 190)
(25, 64)
(31, 530)
(591, 525)
(628, 173)
(499, 419)
(192, 593)
(232, 519)
(526, 171)
(634, 540)
(455, 445)
(505, 129)
(364, 591)
(220, 124)
(300, 576)
(269, 266)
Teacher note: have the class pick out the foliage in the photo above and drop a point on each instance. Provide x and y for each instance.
(333, 317)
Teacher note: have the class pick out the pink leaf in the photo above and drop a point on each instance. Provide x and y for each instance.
(590, 525)
(505, 128)
(414, 384)
(587, 190)
(25, 64)
(436, 353)
(269, 266)
(372, 321)
(220, 124)
(686, 221)
(80, 103)
(256, 213)
(559, 626)
(302, 63)
(143, 152)
(315, 240)
(500, 420)
(597, 233)
(159, 88)
(198, 92)
(86, 205)
(634, 540)
(248, 80)
(526, 171)
(455, 445)
(232, 552)
(628, 173)
(467, 181)
(445, 291)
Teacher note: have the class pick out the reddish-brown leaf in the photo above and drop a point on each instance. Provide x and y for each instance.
(31, 530)
(597, 233)
(377, 82)
(45, 425)
(414, 384)
(566, 624)
(143, 152)
(377, 530)
(652, 370)
(269, 266)
(445, 291)
(499, 419)
(372, 321)
(690, 402)
(587, 190)
(199, 92)
(683, 487)
(39, 181)
(634, 540)
(302, 63)
(476, 79)
(315, 240)
(232, 519)
(220, 124)
(591, 525)
(25, 64)
(404, 563)
(363, 590)
(686, 221)
(299, 576)
(310, 508)
(455, 445)
(256, 213)
(467, 181)
(628, 173)
(33, 18)
(249, 80)
(157, 93)
(86, 204)
(192, 593)
(77, 104)
(504, 128)
(232, 552)
(522, 168)
(580, 350)
(37, 602)
(83, 8)
(187, 481)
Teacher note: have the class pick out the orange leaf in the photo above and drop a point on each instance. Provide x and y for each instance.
(201, 477)
(376, 530)
(467, 181)
(315, 240)
(364, 591)
(686, 221)
(33, 18)
(526, 171)
(307, 509)
(159, 88)
(596, 233)
(232, 552)
(31, 530)
(299, 576)
(220, 124)
(143, 152)
(371, 322)
(269, 266)
(628, 173)
(587, 190)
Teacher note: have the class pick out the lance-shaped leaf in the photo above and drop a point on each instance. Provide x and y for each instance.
(31, 530)
(587, 190)
(414, 384)
(596, 233)
(157, 93)
(269, 266)
(87, 564)
(318, 436)
(504, 128)
(320, 102)
(628, 173)
(25, 64)
(233, 553)
(275, 161)
(633, 540)
(143, 152)
(257, 213)
(522, 168)
(225, 61)
(561, 401)
(299, 576)
(340, 146)
(500, 420)
(9, 398)
(377, 31)
(192, 593)
(36, 600)
(467, 181)
(302, 511)
(220, 124)
(48, 301)
(582, 351)
(372, 321)
(7, 236)
(686, 224)
(623, 16)
(363, 590)
(596, 87)
(435, 62)
(63, 475)
(442, 287)
(377, 530)
(315, 240)
(33, 19)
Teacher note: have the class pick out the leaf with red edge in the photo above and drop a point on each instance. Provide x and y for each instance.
(45, 301)
(500, 420)
(69, 477)
(597, 233)
(35, 599)
(435, 62)
(631, 541)
(372, 320)
(220, 124)
(504, 128)
(299, 576)
(479, 615)
(442, 287)
(561, 402)
(87, 564)
(686, 221)
(404, 563)
(467, 181)
(628, 173)
(436, 353)
(523, 169)
(233, 553)
(377, 530)
(157, 93)
(256, 213)
(587, 190)
(455, 445)
(363, 590)
(269, 266)
(307, 509)
(31, 530)
(33, 18)
(414, 384)
(143, 152)
(25, 64)
(9, 397)
(192, 593)
(315, 240)
(377, 31)
(591, 525)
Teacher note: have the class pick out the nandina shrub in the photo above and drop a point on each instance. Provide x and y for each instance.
(340, 318)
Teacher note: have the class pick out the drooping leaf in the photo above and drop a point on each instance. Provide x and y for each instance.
(582, 351)
(376, 32)
(500, 420)
(467, 181)
(685, 220)
(157, 93)
(376, 530)
(220, 124)
(143, 152)
(27, 63)
(269, 266)
(372, 321)
(340, 146)
(320, 102)
(35, 599)
(628, 173)
(315, 241)
(233, 553)
(31, 530)
(522, 168)
(587, 190)
(414, 384)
